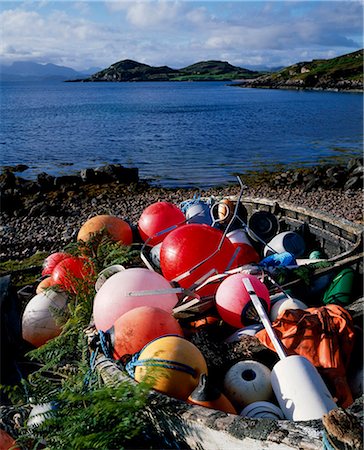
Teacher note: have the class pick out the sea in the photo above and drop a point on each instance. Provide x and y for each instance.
(178, 134)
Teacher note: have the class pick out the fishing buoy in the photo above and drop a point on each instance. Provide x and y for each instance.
(262, 225)
(198, 212)
(71, 271)
(247, 253)
(247, 382)
(298, 387)
(52, 260)
(155, 255)
(262, 410)
(118, 229)
(339, 291)
(41, 316)
(210, 397)
(250, 330)
(287, 241)
(134, 329)
(107, 273)
(190, 245)
(281, 305)
(172, 364)
(233, 301)
(130, 289)
(7, 442)
(44, 284)
(156, 218)
(300, 390)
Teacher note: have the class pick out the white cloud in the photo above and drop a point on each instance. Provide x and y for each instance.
(176, 33)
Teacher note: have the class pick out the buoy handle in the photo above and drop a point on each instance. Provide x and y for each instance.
(264, 318)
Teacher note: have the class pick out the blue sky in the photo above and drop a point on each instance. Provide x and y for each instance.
(83, 34)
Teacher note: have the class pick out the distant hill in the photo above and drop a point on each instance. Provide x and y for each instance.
(27, 70)
(128, 70)
(341, 73)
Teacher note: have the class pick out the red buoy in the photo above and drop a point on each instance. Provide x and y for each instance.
(134, 329)
(157, 217)
(191, 244)
(233, 301)
(70, 271)
(52, 260)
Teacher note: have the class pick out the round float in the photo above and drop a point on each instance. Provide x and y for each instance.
(247, 382)
(172, 365)
(130, 289)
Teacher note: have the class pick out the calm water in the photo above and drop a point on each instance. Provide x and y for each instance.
(178, 134)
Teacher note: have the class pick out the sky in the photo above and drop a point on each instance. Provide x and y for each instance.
(84, 34)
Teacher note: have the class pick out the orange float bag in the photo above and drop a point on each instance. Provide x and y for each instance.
(325, 336)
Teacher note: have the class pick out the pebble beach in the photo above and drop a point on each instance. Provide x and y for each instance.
(48, 221)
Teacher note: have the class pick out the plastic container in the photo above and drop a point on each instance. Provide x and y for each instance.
(263, 224)
(300, 390)
(287, 241)
(262, 410)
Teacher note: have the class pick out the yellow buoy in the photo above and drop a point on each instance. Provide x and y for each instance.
(172, 365)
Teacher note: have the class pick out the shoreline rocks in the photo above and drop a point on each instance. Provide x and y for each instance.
(45, 215)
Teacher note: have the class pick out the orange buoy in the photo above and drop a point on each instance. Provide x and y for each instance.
(7, 442)
(70, 271)
(130, 289)
(52, 260)
(157, 217)
(118, 229)
(189, 245)
(172, 365)
(233, 301)
(134, 329)
(40, 322)
(210, 397)
(44, 284)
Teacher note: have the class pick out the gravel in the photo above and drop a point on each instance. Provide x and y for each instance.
(49, 221)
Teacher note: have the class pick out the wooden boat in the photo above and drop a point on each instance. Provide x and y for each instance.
(183, 425)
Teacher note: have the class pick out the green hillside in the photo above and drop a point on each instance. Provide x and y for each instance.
(128, 70)
(340, 73)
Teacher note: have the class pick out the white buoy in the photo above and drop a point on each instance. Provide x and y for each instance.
(262, 410)
(287, 241)
(249, 330)
(247, 382)
(155, 255)
(299, 388)
(107, 273)
(278, 307)
(39, 321)
(198, 213)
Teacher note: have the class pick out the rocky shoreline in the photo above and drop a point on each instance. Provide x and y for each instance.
(46, 214)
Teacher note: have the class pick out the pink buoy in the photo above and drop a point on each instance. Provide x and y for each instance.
(189, 245)
(233, 300)
(130, 289)
(134, 329)
(157, 217)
